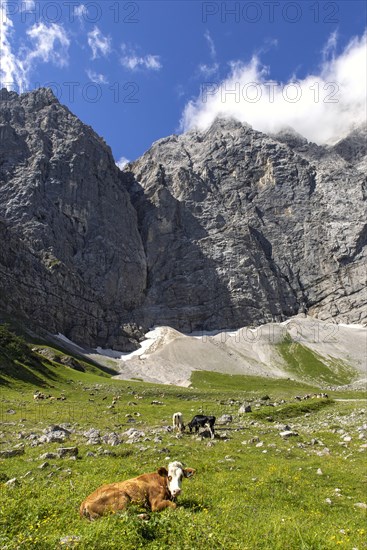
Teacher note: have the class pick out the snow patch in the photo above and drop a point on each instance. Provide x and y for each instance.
(151, 338)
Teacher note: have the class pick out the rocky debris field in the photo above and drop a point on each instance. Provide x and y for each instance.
(337, 428)
(281, 456)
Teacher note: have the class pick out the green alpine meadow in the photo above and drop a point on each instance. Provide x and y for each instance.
(290, 474)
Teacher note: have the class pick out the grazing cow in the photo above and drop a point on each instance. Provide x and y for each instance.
(177, 422)
(204, 422)
(156, 491)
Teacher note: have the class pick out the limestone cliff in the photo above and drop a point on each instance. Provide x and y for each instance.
(240, 227)
(207, 230)
(71, 257)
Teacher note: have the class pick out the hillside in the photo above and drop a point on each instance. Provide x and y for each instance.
(302, 348)
(291, 470)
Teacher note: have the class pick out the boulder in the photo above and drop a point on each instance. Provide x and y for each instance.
(225, 419)
(244, 409)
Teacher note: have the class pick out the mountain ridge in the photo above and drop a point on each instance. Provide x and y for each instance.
(206, 230)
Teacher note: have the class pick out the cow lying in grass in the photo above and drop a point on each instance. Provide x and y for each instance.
(156, 491)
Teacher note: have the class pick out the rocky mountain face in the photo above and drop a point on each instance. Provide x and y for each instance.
(207, 230)
(71, 257)
(240, 227)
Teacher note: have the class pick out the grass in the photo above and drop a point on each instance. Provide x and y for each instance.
(308, 365)
(292, 410)
(253, 489)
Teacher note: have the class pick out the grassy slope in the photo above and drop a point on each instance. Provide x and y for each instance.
(241, 496)
(307, 365)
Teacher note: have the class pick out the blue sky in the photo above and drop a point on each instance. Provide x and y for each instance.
(138, 71)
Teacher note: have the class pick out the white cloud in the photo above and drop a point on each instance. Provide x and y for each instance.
(95, 77)
(322, 107)
(80, 11)
(147, 62)
(99, 44)
(212, 50)
(50, 44)
(208, 70)
(130, 60)
(12, 70)
(329, 49)
(27, 5)
(122, 162)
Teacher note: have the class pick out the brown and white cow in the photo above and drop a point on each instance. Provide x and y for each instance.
(177, 422)
(156, 491)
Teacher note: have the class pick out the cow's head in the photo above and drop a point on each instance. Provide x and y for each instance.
(175, 473)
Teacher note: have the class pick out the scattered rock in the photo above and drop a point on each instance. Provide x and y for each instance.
(12, 452)
(12, 483)
(106, 452)
(324, 452)
(225, 419)
(70, 541)
(67, 451)
(48, 456)
(133, 435)
(54, 434)
(111, 439)
(93, 436)
(288, 433)
(245, 409)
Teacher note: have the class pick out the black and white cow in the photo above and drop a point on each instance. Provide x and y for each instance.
(201, 421)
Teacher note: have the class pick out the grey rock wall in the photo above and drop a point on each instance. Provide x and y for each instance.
(71, 257)
(207, 230)
(242, 228)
